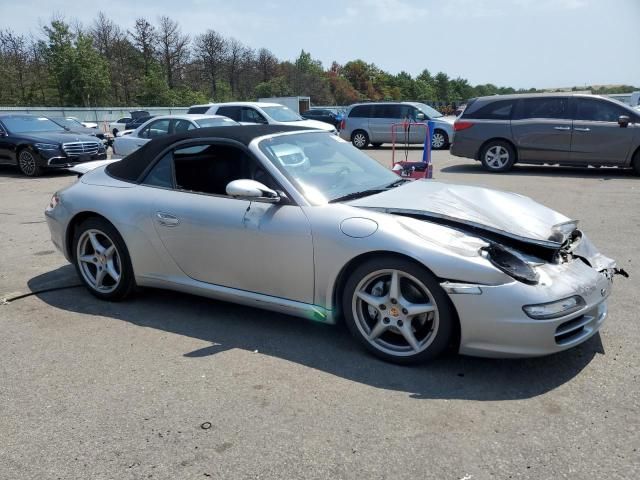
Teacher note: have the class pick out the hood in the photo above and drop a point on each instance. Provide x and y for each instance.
(313, 124)
(57, 137)
(503, 213)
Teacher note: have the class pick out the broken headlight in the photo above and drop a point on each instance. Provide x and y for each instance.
(559, 308)
(511, 263)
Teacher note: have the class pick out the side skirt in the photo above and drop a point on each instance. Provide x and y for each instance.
(242, 297)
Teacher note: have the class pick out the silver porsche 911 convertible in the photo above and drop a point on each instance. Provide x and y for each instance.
(301, 222)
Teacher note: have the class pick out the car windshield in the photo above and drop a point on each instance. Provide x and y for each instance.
(282, 114)
(428, 111)
(67, 122)
(324, 167)
(215, 122)
(27, 123)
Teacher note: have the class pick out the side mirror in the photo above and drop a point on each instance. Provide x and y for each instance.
(420, 116)
(623, 121)
(252, 190)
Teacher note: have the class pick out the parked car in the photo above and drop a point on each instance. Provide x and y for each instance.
(562, 129)
(165, 125)
(248, 113)
(72, 124)
(300, 222)
(84, 124)
(125, 123)
(322, 115)
(34, 144)
(370, 123)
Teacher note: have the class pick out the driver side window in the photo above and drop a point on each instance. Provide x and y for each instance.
(206, 168)
(155, 129)
(251, 115)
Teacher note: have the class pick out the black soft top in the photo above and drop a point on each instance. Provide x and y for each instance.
(131, 167)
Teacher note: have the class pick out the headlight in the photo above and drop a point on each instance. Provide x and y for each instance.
(559, 308)
(511, 263)
(47, 146)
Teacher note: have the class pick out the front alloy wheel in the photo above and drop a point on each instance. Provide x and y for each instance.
(27, 164)
(399, 312)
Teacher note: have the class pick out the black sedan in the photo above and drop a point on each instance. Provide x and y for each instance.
(323, 115)
(35, 143)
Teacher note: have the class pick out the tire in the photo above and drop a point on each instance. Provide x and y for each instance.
(28, 163)
(635, 163)
(360, 139)
(98, 263)
(376, 145)
(498, 156)
(384, 324)
(439, 140)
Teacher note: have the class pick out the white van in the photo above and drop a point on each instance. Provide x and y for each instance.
(260, 112)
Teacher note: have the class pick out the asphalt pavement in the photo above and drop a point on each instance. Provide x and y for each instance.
(171, 386)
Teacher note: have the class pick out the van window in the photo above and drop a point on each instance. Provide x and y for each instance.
(360, 111)
(386, 111)
(591, 109)
(499, 110)
(544, 107)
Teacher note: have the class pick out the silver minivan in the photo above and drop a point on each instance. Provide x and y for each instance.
(371, 123)
(554, 129)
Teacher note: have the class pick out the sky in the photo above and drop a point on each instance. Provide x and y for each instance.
(517, 43)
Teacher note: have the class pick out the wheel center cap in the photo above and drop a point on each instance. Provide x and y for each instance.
(394, 312)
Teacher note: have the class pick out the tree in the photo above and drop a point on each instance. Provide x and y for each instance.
(144, 38)
(211, 50)
(174, 49)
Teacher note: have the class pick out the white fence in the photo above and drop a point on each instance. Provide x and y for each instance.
(102, 116)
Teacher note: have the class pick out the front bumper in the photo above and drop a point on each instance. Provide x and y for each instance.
(60, 160)
(493, 323)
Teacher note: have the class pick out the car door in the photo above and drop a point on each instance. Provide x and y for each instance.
(130, 143)
(214, 238)
(6, 146)
(383, 117)
(541, 129)
(598, 138)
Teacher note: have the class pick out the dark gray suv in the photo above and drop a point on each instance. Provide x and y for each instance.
(562, 129)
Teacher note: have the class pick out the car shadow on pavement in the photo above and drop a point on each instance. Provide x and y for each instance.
(605, 173)
(323, 347)
(9, 171)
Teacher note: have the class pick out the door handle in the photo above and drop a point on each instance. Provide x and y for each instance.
(582, 129)
(562, 128)
(167, 219)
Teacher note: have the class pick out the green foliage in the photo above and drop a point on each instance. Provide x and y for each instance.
(156, 65)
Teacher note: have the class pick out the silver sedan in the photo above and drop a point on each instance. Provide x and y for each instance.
(301, 222)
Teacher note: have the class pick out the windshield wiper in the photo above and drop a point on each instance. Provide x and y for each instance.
(354, 195)
(370, 191)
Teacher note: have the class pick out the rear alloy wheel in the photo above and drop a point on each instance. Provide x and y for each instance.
(360, 139)
(439, 140)
(498, 156)
(27, 164)
(102, 260)
(398, 311)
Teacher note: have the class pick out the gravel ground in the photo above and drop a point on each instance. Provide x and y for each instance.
(170, 386)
